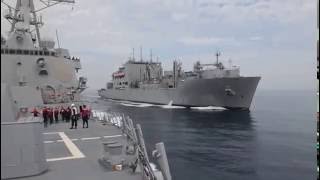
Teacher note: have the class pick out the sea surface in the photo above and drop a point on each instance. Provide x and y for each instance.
(275, 140)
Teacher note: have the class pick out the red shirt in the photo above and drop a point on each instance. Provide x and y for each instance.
(35, 112)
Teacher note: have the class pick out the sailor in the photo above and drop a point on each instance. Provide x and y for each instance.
(56, 114)
(63, 113)
(68, 114)
(80, 108)
(50, 114)
(45, 116)
(74, 116)
(35, 112)
(85, 116)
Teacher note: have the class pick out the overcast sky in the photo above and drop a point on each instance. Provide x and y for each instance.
(275, 39)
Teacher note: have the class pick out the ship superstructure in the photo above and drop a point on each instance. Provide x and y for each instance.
(27, 60)
(206, 85)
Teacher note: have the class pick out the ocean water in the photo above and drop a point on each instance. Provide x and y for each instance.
(275, 140)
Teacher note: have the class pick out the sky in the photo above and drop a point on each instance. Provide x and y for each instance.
(274, 39)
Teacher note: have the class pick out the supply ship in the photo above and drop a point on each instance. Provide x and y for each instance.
(206, 85)
(36, 75)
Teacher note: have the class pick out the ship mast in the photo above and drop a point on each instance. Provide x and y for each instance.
(217, 55)
(141, 54)
(151, 55)
(21, 19)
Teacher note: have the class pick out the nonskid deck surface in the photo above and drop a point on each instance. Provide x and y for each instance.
(73, 154)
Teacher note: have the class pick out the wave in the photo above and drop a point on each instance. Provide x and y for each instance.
(168, 106)
(171, 107)
(208, 108)
(129, 104)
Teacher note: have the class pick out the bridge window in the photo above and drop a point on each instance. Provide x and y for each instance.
(12, 51)
(28, 52)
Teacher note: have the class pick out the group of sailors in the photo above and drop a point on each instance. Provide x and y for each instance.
(71, 113)
(72, 58)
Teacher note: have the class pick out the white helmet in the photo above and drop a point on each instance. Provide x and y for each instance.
(72, 105)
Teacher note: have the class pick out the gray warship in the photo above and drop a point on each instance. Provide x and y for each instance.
(207, 85)
(36, 74)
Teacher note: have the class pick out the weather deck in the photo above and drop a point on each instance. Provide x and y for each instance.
(73, 154)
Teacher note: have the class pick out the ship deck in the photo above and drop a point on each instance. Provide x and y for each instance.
(73, 154)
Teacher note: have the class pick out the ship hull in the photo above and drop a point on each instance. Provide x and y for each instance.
(230, 93)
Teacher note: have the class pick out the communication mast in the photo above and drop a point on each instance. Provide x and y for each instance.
(217, 55)
(24, 15)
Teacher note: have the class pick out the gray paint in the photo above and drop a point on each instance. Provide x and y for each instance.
(194, 92)
(207, 85)
(162, 160)
(22, 150)
(8, 109)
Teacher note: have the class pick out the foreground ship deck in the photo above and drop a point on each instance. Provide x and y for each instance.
(73, 153)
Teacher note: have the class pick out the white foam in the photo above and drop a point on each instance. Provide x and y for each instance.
(134, 104)
(208, 108)
(130, 104)
(171, 107)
